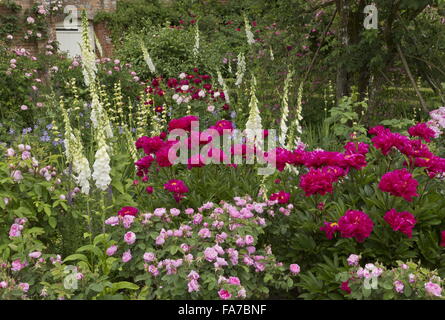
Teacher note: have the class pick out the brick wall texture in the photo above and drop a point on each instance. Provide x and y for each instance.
(91, 6)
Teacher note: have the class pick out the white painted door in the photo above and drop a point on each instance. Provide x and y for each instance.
(69, 38)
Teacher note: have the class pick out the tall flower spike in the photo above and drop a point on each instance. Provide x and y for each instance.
(271, 54)
(147, 57)
(253, 124)
(74, 153)
(98, 45)
(196, 47)
(222, 83)
(101, 166)
(89, 67)
(241, 69)
(249, 34)
(285, 109)
(295, 131)
(81, 166)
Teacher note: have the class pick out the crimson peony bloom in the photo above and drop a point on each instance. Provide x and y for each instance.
(150, 145)
(128, 211)
(415, 149)
(182, 123)
(330, 228)
(320, 158)
(434, 165)
(282, 197)
(386, 140)
(401, 221)
(345, 287)
(176, 186)
(423, 131)
(356, 148)
(355, 224)
(356, 161)
(222, 125)
(319, 180)
(399, 183)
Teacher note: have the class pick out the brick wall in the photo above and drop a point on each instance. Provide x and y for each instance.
(91, 6)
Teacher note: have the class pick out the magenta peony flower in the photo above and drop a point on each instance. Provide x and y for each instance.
(183, 123)
(330, 228)
(345, 287)
(317, 181)
(356, 148)
(177, 187)
(401, 221)
(131, 211)
(321, 158)
(282, 197)
(223, 125)
(399, 183)
(423, 131)
(355, 224)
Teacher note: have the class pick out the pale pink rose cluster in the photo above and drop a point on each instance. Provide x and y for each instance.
(433, 289)
(232, 283)
(17, 227)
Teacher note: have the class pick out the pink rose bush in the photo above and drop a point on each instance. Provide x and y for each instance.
(213, 253)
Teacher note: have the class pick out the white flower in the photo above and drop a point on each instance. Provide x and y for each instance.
(241, 69)
(201, 93)
(101, 166)
(147, 58)
(184, 87)
(182, 76)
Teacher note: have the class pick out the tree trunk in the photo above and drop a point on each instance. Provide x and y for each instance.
(342, 82)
